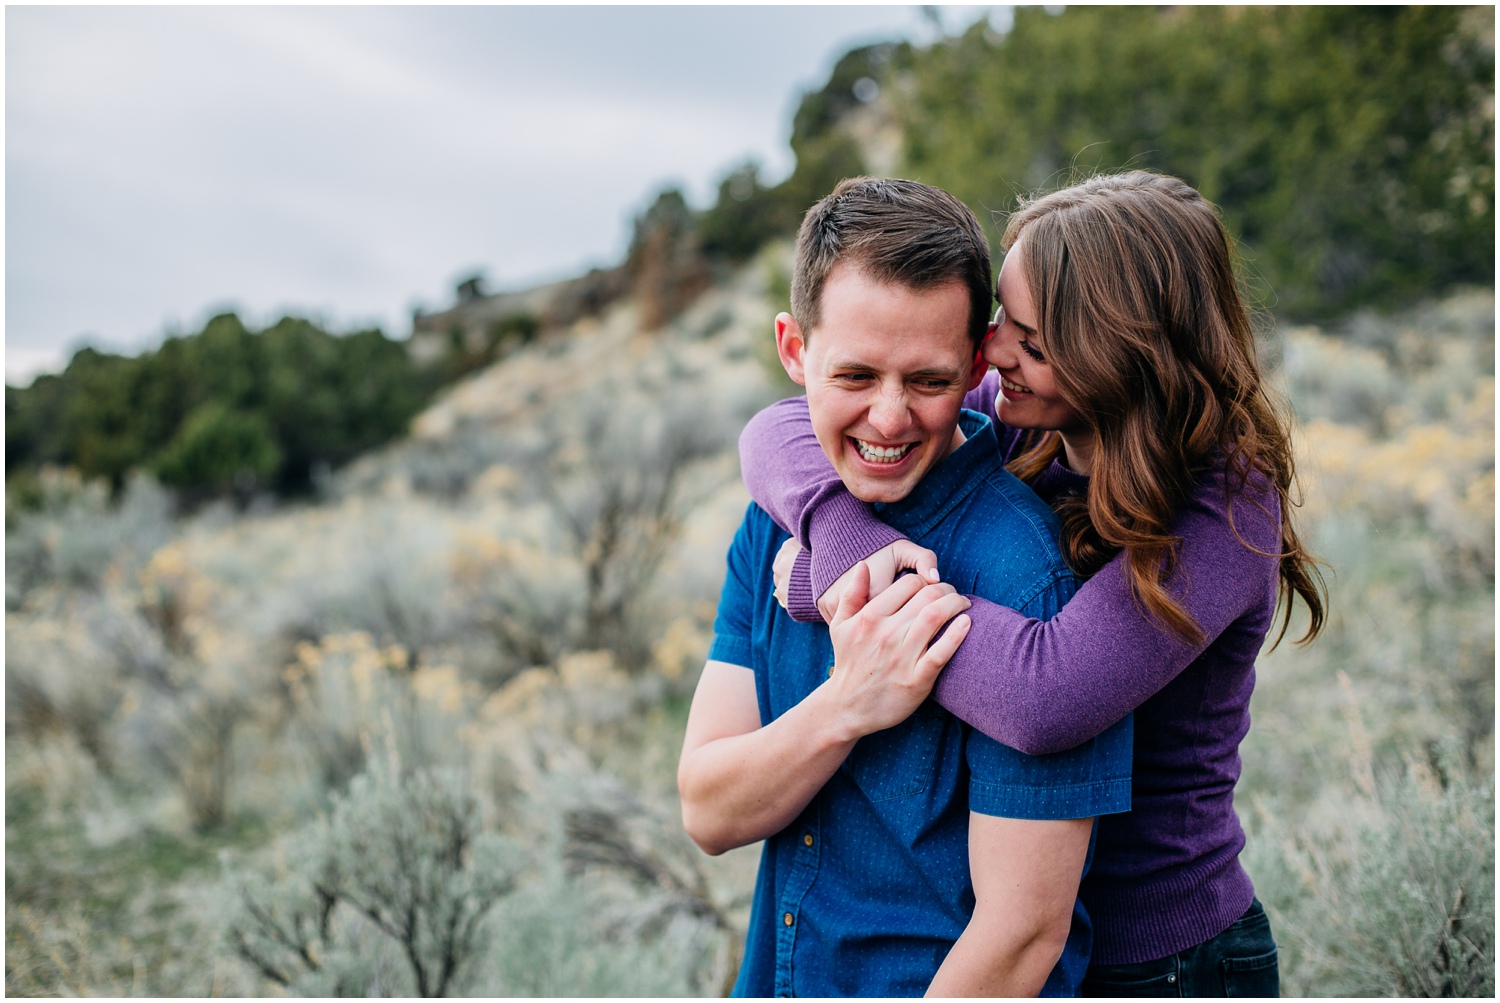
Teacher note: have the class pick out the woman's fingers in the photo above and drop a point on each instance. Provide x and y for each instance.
(884, 568)
(781, 569)
(919, 559)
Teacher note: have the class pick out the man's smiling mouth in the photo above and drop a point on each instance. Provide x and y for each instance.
(881, 454)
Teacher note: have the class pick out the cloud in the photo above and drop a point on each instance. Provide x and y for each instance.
(347, 161)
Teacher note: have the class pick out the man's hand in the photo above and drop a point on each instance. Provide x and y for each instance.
(883, 664)
(884, 565)
(741, 782)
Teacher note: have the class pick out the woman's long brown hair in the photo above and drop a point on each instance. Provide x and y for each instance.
(1151, 345)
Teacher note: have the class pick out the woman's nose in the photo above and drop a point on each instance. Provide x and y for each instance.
(999, 349)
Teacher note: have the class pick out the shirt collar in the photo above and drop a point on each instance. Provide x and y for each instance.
(950, 481)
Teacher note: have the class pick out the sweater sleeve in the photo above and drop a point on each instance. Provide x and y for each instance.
(1043, 687)
(790, 477)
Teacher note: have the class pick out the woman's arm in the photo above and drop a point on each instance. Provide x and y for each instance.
(1044, 687)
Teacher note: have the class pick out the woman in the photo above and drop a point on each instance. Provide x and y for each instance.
(1128, 396)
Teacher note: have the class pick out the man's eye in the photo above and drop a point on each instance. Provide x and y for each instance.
(1026, 347)
(856, 377)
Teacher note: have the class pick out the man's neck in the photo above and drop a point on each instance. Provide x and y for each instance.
(958, 440)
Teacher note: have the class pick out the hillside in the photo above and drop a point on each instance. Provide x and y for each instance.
(180, 686)
(443, 672)
(1351, 151)
(509, 608)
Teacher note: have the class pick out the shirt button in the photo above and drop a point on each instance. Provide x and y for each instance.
(807, 839)
(787, 919)
(1171, 976)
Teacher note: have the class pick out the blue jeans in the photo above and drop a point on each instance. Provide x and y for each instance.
(1241, 961)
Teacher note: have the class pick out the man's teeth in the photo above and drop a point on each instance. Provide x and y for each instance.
(882, 454)
(1007, 384)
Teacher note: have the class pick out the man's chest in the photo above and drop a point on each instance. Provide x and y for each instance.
(793, 659)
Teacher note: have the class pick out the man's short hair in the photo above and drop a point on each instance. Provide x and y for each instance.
(895, 231)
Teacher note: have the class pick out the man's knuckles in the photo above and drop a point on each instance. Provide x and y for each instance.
(895, 597)
(942, 611)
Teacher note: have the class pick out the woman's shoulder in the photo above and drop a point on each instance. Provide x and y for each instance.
(1229, 494)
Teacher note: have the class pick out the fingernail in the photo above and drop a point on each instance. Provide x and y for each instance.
(932, 574)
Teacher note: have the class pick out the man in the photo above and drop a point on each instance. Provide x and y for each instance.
(904, 852)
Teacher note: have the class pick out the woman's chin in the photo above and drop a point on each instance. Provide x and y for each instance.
(1014, 415)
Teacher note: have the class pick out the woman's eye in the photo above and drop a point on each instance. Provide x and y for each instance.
(1026, 347)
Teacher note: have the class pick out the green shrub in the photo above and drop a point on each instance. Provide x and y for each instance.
(400, 869)
(217, 449)
(317, 398)
(1350, 148)
(1396, 897)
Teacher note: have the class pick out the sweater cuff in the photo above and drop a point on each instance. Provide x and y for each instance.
(842, 532)
(801, 601)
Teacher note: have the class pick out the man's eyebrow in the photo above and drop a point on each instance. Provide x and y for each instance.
(865, 367)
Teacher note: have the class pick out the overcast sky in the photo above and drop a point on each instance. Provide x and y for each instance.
(348, 163)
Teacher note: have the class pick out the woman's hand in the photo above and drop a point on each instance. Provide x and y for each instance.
(884, 565)
(781, 568)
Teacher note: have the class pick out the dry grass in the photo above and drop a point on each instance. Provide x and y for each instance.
(184, 698)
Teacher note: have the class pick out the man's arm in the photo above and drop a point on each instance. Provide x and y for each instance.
(1025, 876)
(741, 782)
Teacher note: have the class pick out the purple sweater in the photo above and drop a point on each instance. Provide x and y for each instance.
(1166, 875)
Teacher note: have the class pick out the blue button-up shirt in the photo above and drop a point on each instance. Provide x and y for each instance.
(867, 890)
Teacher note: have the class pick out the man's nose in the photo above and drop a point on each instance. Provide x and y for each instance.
(890, 414)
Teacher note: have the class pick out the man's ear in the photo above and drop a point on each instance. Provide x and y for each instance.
(977, 370)
(790, 347)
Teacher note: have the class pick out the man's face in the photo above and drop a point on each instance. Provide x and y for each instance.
(886, 371)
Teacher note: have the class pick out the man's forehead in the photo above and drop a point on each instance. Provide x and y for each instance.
(885, 326)
(892, 348)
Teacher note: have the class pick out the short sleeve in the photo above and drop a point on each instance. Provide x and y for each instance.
(733, 624)
(1049, 595)
(1092, 779)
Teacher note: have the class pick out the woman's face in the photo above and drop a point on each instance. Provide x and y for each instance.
(1028, 393)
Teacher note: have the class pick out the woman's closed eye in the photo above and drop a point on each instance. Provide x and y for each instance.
(1027, 347)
